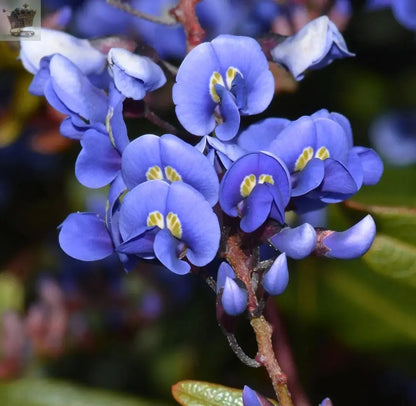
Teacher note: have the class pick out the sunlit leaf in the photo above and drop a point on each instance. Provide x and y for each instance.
(40, 392)
(196, 393)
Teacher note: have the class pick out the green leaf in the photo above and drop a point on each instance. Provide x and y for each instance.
(45, 392)
(394, 258)
(197, 393)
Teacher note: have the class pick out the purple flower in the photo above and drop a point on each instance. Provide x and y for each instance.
(134, 75)
(256, 186)
(296, 242)
(168, 158)
(78, 51)
(314, 46)
(275, 280)
(220, 80)
(351, 243)
(169, 222)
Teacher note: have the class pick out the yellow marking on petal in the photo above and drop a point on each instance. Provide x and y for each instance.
(174, 225)
(108, 127)
(230, 75)
(264, 178)
(304, 158)
(247, 185)
(322, 153)
(172, 175)
(216, 79)
(154, 173)
(155, 218)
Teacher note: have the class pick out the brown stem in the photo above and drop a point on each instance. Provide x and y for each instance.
(267, 358)
(284, 353)
(185, 14)
(165, 20)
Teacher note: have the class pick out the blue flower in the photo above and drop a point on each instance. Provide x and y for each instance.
(134, 75)
(169, 222)
(394, 137)
(253, 398)
(348, 244)
(404, 10)
(275, 280)
(256, 186)
(233, 296)
(219, 80)
(168, 158)
(314, 46)
(69, 91)
(324, 166)
(296, 242)
(99, 161)
(88, 237)
(78, 51)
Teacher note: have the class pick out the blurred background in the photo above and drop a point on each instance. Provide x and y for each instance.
(118, 337)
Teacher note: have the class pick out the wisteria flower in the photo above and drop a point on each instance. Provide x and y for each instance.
(256, 186)
(314, 46)
(134, 75)
(169, 222)
(275, 280)
(220, 80)
(79, 51)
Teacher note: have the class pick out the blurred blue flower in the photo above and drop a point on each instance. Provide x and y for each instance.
(134, 75)
(314, 46)
(219, 80)
(256, 186)
(403, 10)
(394, 137)
(169, 222)
(253, 398)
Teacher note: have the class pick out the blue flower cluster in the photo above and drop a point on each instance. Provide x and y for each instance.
(169, 200)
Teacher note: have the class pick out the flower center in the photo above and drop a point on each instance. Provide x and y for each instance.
(250, 181)
(307, 154)
(173, 224)
(217, 79)
(155, 173)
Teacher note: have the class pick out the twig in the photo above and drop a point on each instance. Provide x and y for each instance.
(165, 20)
(267, 358)
(184, 13)
(238, 351)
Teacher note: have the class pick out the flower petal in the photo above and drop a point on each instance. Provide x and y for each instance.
(166, 251)
(352, 243)
(233, 299)
(296, 242)
(275, 280)
(85, 236)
